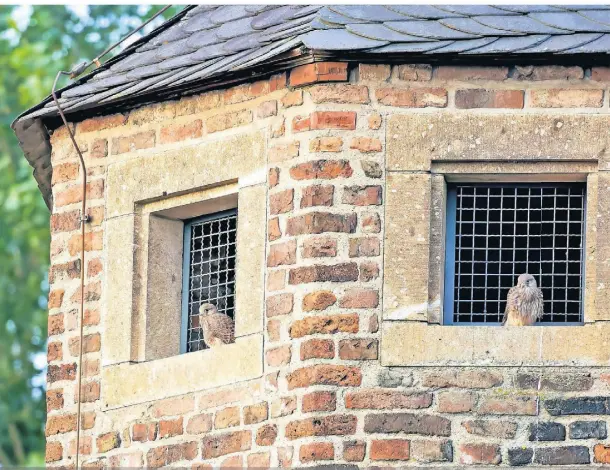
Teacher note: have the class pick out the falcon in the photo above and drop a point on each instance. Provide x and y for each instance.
(524, 303)
(218, 328)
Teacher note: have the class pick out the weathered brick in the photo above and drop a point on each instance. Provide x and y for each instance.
(361, 349)
(91, 344)
(456, 401)
(473, 454)
(547, 431)
(256, 413)
(170, 428)
(566, 98)
(183, 131)
(53, 452)
(343, 120)
(324, 374)
(360, 298)
(130, 143)
(480, 98)
(321, 222)
(56, 322)
(407, 423)
(94, 241)
(283, 406)
(588, 430)
(143, 432)
(280, 153)
(199, 424)
(374, 72)
(547, 72)
(369, 271)
(374, 121)
(292, 98)
(319, 247)
(99, 148)
(556, 382)
(601, 453)
(340, 93)
(227, 443)
(412, 97)
(316, 451)
(389, 449)
(371, 169)
(280, 304)
(276, 280)
(471, 73)
(334, 425)
(343, 272)
(432, 451)
(362, 195)
(317, 349)
(65, 222)
(566, 455)
(74, 194)
(318, 72)
(259, 460)
(173, 406)
(319, 300)
(282, 253)
(317, 195)
(61, 372)
(301, 123)
(274, 330)
(520, 456)
(94, 267)
(274, 231)
(55, 400)
(281, 202)
(102, 122)
(377, 399)
(245, 92)
(277, 82)
(326, 144)
(277, 128)
(90, 392)
(60, 424)
(415, 72)
(365, 246)
(221, 122)
(354, 451)
(266, 109)
(509, 405)
(69, 270)
(165, 455)
(266, 435)
(127, 460)
(108, 441)
(600, 74)
(65, 172)
(462, 379)
(274, 177)
(319, 401)
(365, 144)
(324, 324)
(495, 428)
(578, 406)
(321, 169)
(279, 356)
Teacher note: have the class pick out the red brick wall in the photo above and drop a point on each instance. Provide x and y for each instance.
(324, 398)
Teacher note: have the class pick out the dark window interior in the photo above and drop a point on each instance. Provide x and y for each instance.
(501, 231)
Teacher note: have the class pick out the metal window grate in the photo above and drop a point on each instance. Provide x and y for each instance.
(209, 271)
(497, 232)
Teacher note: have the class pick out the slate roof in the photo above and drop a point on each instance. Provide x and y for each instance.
(205, 43)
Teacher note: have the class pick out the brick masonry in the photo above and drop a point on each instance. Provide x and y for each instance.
(323, 397)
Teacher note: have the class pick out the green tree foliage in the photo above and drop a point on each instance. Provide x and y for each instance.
(34, 44)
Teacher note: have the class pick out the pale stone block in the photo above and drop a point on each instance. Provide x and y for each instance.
(118, 302)
(164, 288)
(593, 311)
(180, 170)
(436, 281)
(602, 248)
(414, 140)
(129, 384)
(250, 275)
(406, 253)
(421, 344)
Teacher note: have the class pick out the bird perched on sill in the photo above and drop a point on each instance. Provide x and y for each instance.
(218, 328)
(524, 303)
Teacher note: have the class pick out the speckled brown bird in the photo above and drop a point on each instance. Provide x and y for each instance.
(218, 328)
(524, 303)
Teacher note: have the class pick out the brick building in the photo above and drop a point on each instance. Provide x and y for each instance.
(358, 187)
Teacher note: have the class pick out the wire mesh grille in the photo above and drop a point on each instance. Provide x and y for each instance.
(503, 231)
(211, 270)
